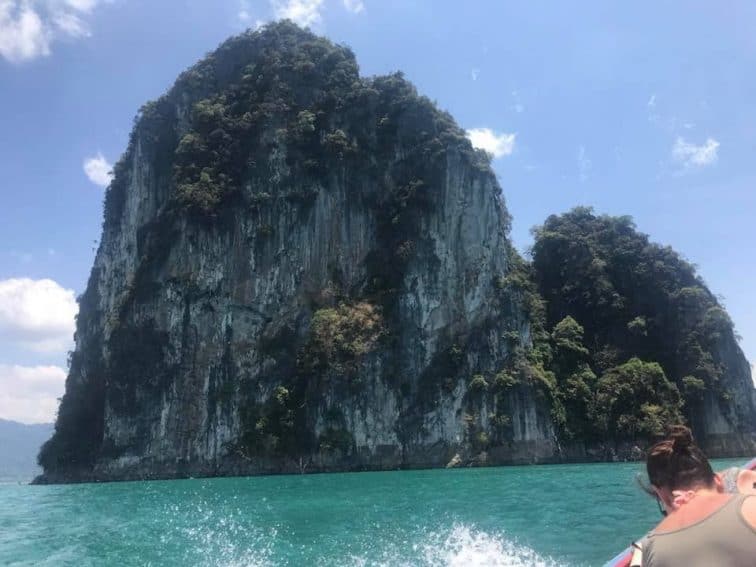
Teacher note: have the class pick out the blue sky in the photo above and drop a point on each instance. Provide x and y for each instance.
(644, 109)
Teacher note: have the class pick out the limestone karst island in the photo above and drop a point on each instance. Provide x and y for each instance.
(303, 269)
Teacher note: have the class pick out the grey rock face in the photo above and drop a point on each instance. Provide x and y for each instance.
(729, 427)
(195, 331)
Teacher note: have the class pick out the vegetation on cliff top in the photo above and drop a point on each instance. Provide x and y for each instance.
(307, 93)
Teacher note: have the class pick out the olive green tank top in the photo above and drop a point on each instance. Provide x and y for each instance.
(723, 538)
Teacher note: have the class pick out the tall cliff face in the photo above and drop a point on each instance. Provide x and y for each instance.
(300, 269)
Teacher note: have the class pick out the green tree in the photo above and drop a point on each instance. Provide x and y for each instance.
(568, 337)
(636, 400)
(575, 379)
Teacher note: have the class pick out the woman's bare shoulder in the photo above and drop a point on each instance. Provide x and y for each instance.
(748, 511)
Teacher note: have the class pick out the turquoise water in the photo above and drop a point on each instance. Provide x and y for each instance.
(538, 515)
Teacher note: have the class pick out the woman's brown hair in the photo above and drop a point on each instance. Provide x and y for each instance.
(677, 462)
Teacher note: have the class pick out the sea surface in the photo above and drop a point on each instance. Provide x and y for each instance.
(514, 516)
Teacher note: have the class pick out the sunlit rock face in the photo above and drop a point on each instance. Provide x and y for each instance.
(300, 270)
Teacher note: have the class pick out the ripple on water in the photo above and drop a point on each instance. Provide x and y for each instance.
(513, 516)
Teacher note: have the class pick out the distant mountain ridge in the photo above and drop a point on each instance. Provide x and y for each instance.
(20, 444)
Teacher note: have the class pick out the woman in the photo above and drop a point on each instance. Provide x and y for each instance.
(704, 525)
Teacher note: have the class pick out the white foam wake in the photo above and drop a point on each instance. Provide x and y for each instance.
(207, 535)
(461, 546)
(467, 547)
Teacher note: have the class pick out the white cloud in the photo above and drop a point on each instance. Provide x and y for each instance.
(98, 170)
(474, 74)
(495, 144)
(245, 13)
(83, 5)
(71, 24)
(29, 394)
(245, 16)
(29, 27)
(584, 164)
(23, 35)
(306, 13)
(651, 101)
(354, 6)
(38, 315)
(690, 155)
